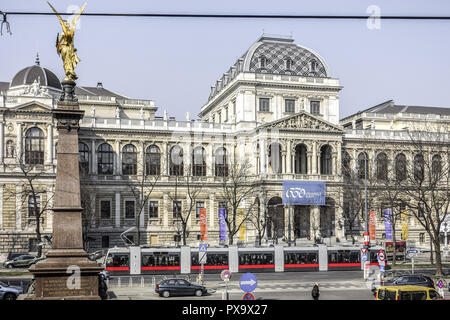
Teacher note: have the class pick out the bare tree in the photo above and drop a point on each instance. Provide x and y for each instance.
(87, 197)
(239, 191)
(257, 217)
(427, 184)
(193, 188)
(32, 193)
(141, 187)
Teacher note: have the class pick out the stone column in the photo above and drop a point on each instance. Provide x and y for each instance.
(315, 166)
(118, 158)
(212, 197)
(262, 156)
(209, 160)
(339, 159)
(49, 213)
(289, 157)
(117, 212)
(94, 157)
(165, 159)
(49, 143)
(19, 140)
(309, 162)
(67, 256)
(314, 221)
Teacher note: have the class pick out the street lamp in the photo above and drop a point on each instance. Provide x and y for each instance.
(366, 233)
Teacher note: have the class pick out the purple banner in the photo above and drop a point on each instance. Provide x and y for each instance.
(387, 223)
(222, 225)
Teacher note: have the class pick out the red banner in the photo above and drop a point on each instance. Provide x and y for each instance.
(372, 225)
(203, 229)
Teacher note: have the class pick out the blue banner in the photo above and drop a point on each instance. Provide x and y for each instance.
(304, 192)
(387, 223)
(222, 224)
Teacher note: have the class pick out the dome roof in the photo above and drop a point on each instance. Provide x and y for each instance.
(282, 56)
(42, 75)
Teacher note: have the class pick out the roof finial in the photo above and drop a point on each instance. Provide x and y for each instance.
(37, 62)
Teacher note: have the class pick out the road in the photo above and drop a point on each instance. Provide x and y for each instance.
(334, 285)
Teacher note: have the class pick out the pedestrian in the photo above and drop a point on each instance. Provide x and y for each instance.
(315, 291)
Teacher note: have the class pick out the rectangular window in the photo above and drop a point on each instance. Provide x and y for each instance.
(264, 104)
(129, 209)
(105, 241)
(32, 245)
(198, 206)
(153, 209)
(105, 209)
(32, 206)
(226, 114)
(315, 107)
(153, 239)
(176, 209)
(289, 105)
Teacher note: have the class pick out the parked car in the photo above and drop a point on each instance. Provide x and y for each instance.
(9, 292)
(12, 255)
(413, 280)
(20, 261)
(172, 287)
(406, 293)
(94, 256)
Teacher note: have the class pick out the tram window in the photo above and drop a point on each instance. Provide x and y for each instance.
(212, 259)
(160, 260)
(344, 256)
(300, 257)
(255, 258)
(117, 260)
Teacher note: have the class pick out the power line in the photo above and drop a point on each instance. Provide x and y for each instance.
(237, 16)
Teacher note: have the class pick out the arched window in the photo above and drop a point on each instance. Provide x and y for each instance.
(83, 158)
(300, 161)
(129, 160)
(326, 160)
(419, 168)
(400, 167)
(382, 166)
(199, 162)
(346, 168)
(288, 64)
(262, 62)
(176, 161)
(152, 161)
(363, 166)
(105, 159)
(436, 167)
(275, 160)
(34, 146)
(221, 162)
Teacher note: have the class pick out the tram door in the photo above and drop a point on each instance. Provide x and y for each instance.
(301, 221)
(135, 260)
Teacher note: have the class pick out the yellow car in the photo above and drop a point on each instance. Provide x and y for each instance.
(406, 293)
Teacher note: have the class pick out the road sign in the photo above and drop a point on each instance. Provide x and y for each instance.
(363, 250)
(364, 258)
(381, 256)
(225, 275)
(248, 296)
(440, 284)
(248, 282)
(412, 251)
(203, 247)
(381, 267)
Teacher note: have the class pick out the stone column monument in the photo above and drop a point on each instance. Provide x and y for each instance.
(67, 273)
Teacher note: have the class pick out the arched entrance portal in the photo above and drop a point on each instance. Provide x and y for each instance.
(327, 219)
(301, 221)
(275, 215)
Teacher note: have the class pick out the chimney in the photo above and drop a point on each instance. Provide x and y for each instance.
(99, 85)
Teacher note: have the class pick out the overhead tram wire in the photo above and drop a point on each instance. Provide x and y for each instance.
(238, 16)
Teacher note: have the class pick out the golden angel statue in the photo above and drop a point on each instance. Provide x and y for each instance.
(64, 44)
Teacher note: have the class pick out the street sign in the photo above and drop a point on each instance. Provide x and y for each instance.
(248, 296)
(412, 251)
(364, 258)
(364, 254)
(440, 284)
(381, 256)
(381, 267)
(363, 250)
(225, 275)
(203, 247)
(248, 282)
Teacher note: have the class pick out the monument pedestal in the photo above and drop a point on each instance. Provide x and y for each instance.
(67, 273)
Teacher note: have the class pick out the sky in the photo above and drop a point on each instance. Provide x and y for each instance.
(174, 61)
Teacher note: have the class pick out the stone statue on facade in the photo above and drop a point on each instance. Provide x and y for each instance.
(10, 149)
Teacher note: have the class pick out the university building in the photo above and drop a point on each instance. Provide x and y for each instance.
(276, 107)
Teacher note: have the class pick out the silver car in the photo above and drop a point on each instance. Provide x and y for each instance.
(21, 262)
(9, 292)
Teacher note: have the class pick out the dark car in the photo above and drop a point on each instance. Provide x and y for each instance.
(172, 287)
(12, 255)
(21, 261)
(414, 280)
(8, 292)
